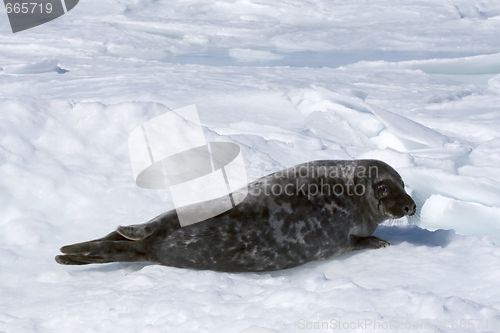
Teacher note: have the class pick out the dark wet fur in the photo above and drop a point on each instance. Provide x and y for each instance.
(264, 232)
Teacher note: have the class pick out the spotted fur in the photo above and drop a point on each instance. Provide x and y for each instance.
(267, 231)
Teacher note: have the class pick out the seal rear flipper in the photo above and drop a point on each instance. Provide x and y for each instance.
(167, 222)
(77, 260)
(99, 252)
(112, 236)
(136, 232)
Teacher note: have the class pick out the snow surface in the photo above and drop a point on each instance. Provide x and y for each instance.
(413, 83)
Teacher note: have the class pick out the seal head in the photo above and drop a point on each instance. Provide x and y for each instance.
(387, 192)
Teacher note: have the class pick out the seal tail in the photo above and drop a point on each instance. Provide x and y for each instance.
(112, 248)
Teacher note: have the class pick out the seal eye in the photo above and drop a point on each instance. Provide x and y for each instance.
(382, 191)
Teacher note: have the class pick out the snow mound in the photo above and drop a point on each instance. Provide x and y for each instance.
(481, 64)
(42, 66)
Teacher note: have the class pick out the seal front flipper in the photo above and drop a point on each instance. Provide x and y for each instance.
(370, 242)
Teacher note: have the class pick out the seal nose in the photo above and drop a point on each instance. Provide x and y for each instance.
(409, 209)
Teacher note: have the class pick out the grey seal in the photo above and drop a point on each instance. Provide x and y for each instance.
(308, 212)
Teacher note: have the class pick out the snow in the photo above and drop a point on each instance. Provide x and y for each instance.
(481, 64)
(413, 83)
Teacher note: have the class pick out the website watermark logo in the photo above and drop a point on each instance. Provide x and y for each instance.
(26, 14)
(337, 180)
(205, 179)
(370, 325)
